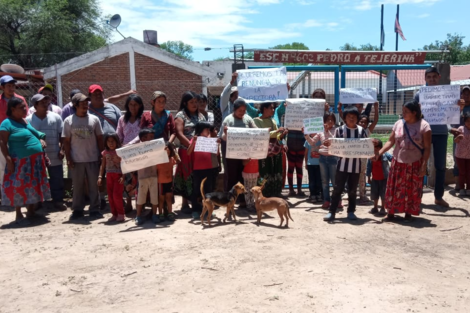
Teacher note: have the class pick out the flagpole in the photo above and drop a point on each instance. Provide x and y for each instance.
(396, 49)
(381, 49)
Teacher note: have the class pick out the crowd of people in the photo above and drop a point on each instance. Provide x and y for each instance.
(87, 131)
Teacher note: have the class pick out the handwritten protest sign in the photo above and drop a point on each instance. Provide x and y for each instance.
(358, 95)
(299, 109)
(313, 125)
(142, 155)
(352, 148)
(263, 84)
(246, 143)
(439, 104)
(204, 144)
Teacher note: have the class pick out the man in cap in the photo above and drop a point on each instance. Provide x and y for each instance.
(83, 142)
(48, 90)
(8, 85)
(51, 124)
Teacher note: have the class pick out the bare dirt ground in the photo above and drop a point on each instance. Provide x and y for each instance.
(361, 266)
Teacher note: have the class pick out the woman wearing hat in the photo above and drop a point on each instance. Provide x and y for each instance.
(25, 182)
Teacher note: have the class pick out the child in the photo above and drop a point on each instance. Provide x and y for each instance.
(364, 123)
(250, 178)
(148, 183)
(327, 162)
(114, 179)
(206, 164)
(165, 183)
(312, 164)
(462, 155)
(379, 170)
(348, 169)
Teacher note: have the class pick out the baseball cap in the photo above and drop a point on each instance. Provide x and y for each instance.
(38, 97)
(7, 79)
(79, 97)
(94, 88)
(432, 70)
(158, 94)
(233, 89)
(47, 86)
(465, 88)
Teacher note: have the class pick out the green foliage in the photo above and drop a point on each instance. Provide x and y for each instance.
(38, 34)
(179, 48)
(352, 47)
(292, 46)
(459, 54)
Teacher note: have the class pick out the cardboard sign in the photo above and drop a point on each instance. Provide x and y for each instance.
(298, 110)
(313, 125)
(358, 95)
(204, 144)
(352, 148)
(247, 143)
(142, 155)
(263, 84)
(439, 104)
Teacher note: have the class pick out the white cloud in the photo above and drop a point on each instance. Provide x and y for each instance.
(423, 15)
(312, 24)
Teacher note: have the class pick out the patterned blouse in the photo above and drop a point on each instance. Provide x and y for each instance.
(189, 123)
(127, 131)
(462, 149)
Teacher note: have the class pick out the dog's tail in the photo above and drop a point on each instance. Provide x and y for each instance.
(202, 189)
(288, 210)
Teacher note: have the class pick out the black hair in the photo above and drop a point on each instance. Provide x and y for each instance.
(13, 103)
(203, 97)
(351, 110)
(145, 132)
(139, 101)
(466, 116)
(364, 116)
(320, 91)
(379, 144)
(263, 106)
(328, 115)
(200, 126)
(74, 92)
(238, 104)
(171, 147)
(431, 70)
(115, 137)
(414, 106)
(187, 96)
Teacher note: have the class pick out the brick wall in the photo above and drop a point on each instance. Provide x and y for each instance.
(112, 74)
(152, 75)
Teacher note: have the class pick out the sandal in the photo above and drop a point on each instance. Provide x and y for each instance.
(389, 218)
(374, 211)
(292, 194)
(171, 217)
(301, 194)
(408, 218)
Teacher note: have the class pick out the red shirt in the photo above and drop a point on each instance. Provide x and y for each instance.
(4, 106)
(377, 170)
(204, 160)
(251, 167)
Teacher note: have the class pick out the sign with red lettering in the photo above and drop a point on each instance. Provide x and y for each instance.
(343, 57)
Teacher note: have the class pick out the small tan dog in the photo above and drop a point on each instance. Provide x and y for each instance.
(263, 204)
(222, 199)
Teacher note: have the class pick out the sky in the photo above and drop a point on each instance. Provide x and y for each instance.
(318, 24)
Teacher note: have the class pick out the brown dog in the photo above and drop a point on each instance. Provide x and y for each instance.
(263, 204)
(222, 199)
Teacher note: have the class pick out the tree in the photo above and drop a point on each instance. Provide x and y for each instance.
(179, 48)
(38, 34)
(352, 47)
(293, 46)
(459, 54)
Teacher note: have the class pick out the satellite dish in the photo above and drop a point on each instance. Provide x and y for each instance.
(12, 68)
(115, 21)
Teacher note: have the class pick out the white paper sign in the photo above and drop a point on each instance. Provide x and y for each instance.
(313, 125)
(262, 84)
(358, 95)
(142, 155)
(352, 148)
(439, 104)
(246, 143)
(204, 144)
(299, 109)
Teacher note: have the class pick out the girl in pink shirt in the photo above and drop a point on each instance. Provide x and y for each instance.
(462, 155)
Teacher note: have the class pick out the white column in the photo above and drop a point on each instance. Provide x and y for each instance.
(132, 70)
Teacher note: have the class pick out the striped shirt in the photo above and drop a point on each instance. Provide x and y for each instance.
(349, 165)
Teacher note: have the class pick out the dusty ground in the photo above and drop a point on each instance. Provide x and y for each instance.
(362, 266)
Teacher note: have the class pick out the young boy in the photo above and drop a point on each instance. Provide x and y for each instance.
(379, 170)
(348, 169)
(312, 164)
(148, 183)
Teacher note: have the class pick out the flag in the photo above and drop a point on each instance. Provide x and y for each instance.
(382, 38)
(398, 29)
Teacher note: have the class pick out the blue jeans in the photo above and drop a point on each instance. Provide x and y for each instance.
(328, 173)
(439, 143)
(56, 182)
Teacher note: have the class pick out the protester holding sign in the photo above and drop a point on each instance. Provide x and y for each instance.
(348, 169)
(270, 168)
(234, 167)
(411, 137)
(185, 122)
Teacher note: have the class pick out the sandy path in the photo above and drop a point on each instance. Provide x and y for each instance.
(364, 266)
